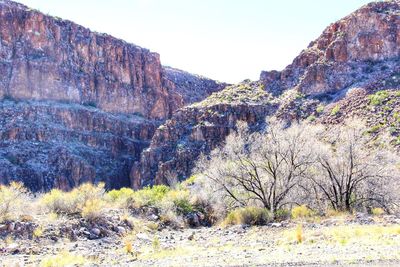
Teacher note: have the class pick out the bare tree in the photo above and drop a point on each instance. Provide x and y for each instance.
(352, 170)
(264, 168)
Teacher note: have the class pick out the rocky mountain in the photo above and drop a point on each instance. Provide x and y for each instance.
(78, 105)
(352, 69)
(81, 106)
(193, 88)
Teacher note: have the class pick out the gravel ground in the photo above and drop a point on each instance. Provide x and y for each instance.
(338, 244)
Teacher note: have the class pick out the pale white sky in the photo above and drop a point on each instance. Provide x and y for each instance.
(227, 40)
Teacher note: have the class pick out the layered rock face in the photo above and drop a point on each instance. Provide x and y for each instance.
(78, 106)
(47, 58)
(49, 144)
(197, 129)
(345, 54)
(352, 58)
(178, 143)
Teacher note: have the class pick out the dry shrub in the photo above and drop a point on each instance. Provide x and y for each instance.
(59, 202)
(87, 200)
(248, 215)
(299, 234)
(93, 210)
(301, 212)
(13, 201)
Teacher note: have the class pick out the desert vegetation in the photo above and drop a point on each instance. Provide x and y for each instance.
(343, 169)
(285, 171)
(288, 178)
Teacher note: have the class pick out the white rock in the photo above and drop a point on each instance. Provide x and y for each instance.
(143, 236)
(96, 231)
(120, 229)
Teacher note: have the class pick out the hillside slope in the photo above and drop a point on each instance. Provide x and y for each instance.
(329, 81)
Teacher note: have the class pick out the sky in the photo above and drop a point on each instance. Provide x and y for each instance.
(227, 40)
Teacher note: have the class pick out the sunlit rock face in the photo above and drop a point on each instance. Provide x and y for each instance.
(78, 106)
(360, 51)
(43, 57)
(345, 53)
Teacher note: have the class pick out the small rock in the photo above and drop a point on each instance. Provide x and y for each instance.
(96, 231)
(153, 217)
(3, 227)
(192, 219)
(12, 246)
(190, 237)
(120, 230)
(276, 225)
(11, 227)
(73, 235)
(92, 236)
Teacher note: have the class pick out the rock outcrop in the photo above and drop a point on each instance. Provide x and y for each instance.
(192, 88)
(345, 54)
(352, 58)
(199, 128)
(78, 106)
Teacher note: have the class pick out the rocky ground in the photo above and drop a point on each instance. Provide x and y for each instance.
(348, 240)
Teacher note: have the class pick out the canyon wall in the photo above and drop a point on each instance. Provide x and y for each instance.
(78, 106)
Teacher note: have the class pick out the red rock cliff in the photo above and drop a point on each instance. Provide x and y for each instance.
(78, 106)
(42, 57)
(344, 52)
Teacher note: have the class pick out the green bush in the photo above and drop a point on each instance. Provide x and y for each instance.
(181, 201)
(150, 196)
(115, 195)
(335, 110)
(189, 181)
(311, 118)
(282, 214)
(248, 215)
(123, 197)
(320, 109)
(377, 211)
(378, 98)
(375, 128)
(93, 209)
(60, 202)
